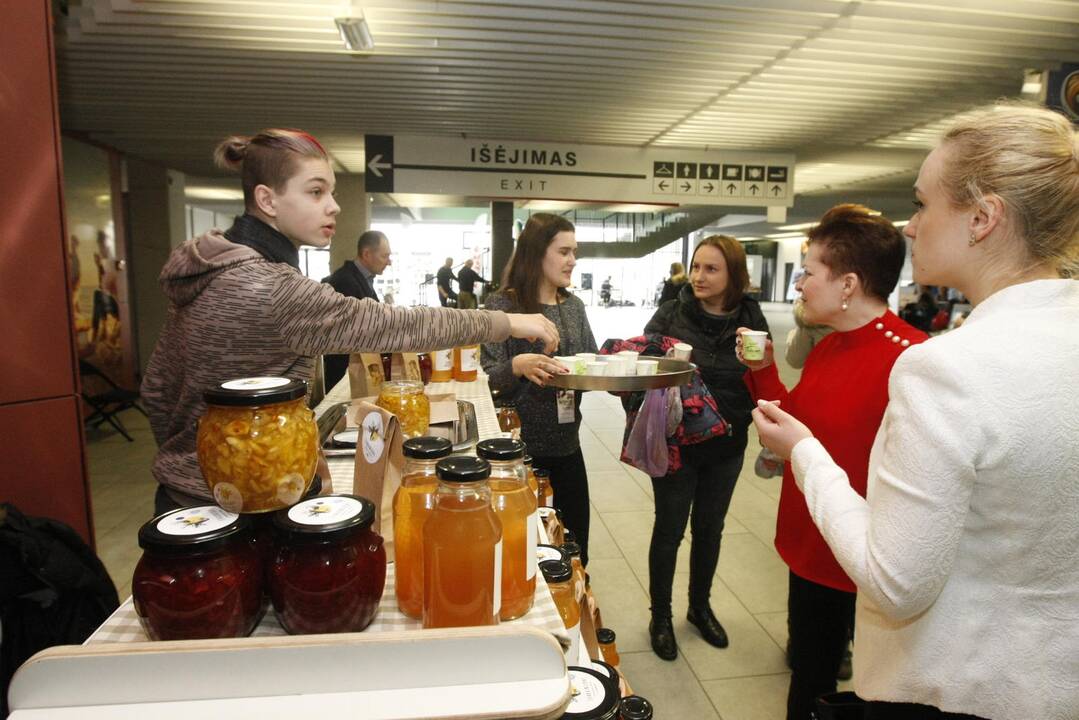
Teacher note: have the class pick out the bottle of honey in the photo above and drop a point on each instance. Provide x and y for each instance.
(412, 504)
(466, 363)
(605, 637)
(544, 491)
(515, 506)
(442, 365)
(559, 578)
(574, 551)
(462, 548)
(531, 477)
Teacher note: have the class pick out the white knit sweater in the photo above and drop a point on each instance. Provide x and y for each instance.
(966, 549)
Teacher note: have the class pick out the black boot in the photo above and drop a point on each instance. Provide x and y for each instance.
(712, 632)
(661, 630)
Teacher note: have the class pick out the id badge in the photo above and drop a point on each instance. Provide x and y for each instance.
(565, 401)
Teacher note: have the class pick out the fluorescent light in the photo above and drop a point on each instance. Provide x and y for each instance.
(1032, 83)
(213, 193)
(900, 223)
(355, 33)
(799, 226)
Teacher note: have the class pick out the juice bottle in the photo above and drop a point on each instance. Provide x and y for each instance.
(605, 637)
(412, 504)
(531, 477)
(574, 551)
(559, 577)
(515, 506)
(442, 365)
(462, 548)
(466, 361)
(544, 491)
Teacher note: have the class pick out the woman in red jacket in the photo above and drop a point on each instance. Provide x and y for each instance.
(853, 264)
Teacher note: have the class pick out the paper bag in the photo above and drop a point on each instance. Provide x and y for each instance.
(379, 464)
(366, 373)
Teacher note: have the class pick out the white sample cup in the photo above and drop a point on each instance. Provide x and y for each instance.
(596, 368)
(615, 365)
(682, 351)
(574, 363)
(587, 357)
(753, 344)
(647, 367)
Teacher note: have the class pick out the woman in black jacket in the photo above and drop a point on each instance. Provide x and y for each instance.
(706, 314)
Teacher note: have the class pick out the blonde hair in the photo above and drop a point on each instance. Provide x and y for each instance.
(678, 272)
(1028, 156)
(269, 158)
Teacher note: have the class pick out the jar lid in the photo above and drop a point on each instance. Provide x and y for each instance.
(527, 459)
(550, 552)
(427, 447)
(594, 696)
(556, 571)
(402, 386)
(570, 548)
(327, 517)
(463, 469)
(192, 530)
(635, 707)
(500, 449)
(605, 635)
(605, 669)
(255, 391)
(540, 472)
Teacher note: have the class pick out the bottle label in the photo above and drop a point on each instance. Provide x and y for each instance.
(498, 578)
(443, 360)
(325, 510)
(588, 692)
(256, 383)
(573, 655)
(548, 500)
(196, 520)
(470, 358)
(531, 534)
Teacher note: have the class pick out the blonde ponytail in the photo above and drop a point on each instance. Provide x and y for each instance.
(230, 152)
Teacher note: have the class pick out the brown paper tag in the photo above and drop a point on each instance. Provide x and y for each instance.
(365, 376)
(379, 464)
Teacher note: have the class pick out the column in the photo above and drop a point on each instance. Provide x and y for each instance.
(501, 238)
(354, 220)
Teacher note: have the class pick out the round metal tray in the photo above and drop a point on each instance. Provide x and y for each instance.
(669, 373)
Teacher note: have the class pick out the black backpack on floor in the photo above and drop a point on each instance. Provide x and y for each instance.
(53, 590)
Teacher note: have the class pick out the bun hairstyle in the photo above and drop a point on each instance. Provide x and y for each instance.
(853, 238)
(269, 158)
(1029, 157)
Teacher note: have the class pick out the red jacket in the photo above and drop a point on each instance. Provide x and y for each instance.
(841, 396)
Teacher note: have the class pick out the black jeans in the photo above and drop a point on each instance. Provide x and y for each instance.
(910, 711)
(699, 492)
(820, 621)
(569, 480)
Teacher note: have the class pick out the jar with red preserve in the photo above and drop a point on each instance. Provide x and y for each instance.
(329, 570)
(199, 576)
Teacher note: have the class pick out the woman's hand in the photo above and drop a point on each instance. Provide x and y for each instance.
(754, 365)
(534, 327)
(537, 368)
(779, 431)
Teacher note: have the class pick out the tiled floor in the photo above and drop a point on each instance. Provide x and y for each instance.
(747, 681)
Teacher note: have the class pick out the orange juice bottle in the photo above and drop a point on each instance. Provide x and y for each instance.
(462, 548)
(412, 504)
(466, 362)
(532, 484)
(515, 506)
(442, 365)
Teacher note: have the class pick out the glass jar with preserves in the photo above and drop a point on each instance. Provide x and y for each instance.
(412, 504)
(407, 400)
(462, 548)
(550, 552)
(257, 443)
(199, 576)
(508, 419)
(574, 551)
(442, 365)
(544, 491)
(607, 648)
(329, 570)
(466, 363)
(515, 506)
(559, 578)
(594, 696)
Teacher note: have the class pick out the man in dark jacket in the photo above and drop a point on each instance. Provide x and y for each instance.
(356, 278)
(442, 282)
(466, 281)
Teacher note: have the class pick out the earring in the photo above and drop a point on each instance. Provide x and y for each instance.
(973, 240)
(844, 305)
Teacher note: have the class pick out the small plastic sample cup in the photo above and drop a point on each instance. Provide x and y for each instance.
(647, 367)
(753, 344)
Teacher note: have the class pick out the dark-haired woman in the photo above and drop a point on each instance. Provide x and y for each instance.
(239, 306)
(706, 314)
(535, 281)
(852, 265)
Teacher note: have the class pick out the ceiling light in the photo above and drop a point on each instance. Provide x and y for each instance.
(212, 193)
(354, 31)
(799, 226)
(1032, 83)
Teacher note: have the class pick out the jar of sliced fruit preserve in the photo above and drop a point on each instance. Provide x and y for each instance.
(199, 576)
(329, 570)
(257, 443)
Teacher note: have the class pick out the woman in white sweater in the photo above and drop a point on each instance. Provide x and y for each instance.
(966, 549)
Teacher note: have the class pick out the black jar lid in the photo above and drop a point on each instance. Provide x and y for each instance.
(463, 469)
(568, 536)
(551, 552)
(607, 670)
(595, 697)
(527, 459)
(192, 530)
(427, 447)
(325, 518)
(635, 707)
(500, 449)
(556, 571)
(540, 472)
(605, 635)
(255, 391)
(571, 548)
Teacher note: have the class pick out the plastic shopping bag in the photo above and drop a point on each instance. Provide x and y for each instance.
(646, 448)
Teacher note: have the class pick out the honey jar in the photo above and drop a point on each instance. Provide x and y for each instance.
(407, 400)
(635, 707)
(595, 697)
(466, 363)
(605, 637)
(442, 365)
(544, 491)
(257, 443)
(573, 550)
(199, 576)
(329, 568)
(559, 578)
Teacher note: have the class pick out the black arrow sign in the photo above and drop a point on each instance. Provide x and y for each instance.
(731, 187)
(686, 186)
(754, 189)
(662, 184)
(776, 190)
(708, 187)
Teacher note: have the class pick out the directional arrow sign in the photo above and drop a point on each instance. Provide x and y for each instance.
(377, 167)
(731, 188)
(686, 187)
(753, 189)
(776, 191)
(662, 184)
(708, 187)
(379, 175)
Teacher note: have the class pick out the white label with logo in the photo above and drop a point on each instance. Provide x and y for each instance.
(470, 358)
(196, 520)
(498, 577)
(443, 360)
(372, 437)
(573, 655)
(325, 510)
(256, 383)
(588, 691)
(531, 535)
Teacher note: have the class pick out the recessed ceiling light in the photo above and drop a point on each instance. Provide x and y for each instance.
(354, 31)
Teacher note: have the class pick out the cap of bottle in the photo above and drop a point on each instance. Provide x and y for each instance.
(500, 449)
(426, 447)
(556, 571)
(463, 469)
(635, 707)
(605, 635)
(571, 548)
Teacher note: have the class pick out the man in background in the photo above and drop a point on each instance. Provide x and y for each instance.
(442, 282)
(356, 278)
(466, 281)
